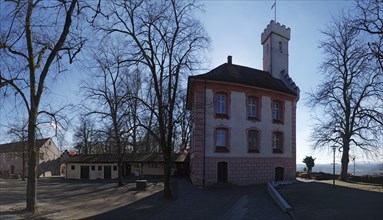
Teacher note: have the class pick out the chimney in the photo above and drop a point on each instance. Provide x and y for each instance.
(229, 59)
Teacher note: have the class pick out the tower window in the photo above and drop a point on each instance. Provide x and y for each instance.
(280, 46)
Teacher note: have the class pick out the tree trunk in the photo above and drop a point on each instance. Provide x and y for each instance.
(345, 161)
(32, 162)
(23, 159)
(120, 171)
(167, 174)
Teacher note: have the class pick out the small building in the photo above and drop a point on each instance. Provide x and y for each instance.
(13, 154)
(244, 119)
(105, 166)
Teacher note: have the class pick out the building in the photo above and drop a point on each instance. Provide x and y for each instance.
(244, 119)
(12, 154)
(105, 166)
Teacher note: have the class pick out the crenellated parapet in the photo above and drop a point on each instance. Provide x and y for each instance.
(290, 83)
(277, 28)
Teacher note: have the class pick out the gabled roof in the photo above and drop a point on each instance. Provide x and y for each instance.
(237, 74)
(18, 146)
(128, 157)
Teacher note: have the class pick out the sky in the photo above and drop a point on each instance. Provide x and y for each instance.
(235, 29)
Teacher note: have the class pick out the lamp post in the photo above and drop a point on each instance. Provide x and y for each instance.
(333, 167)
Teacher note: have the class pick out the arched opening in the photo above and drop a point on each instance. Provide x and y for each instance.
(222, 171)
(279, 173)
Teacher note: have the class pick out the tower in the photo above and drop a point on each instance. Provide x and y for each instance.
(275, 40)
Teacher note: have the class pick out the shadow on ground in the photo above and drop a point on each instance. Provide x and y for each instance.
(319, 200)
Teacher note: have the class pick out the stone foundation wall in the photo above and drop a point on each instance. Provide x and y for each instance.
(244, 171)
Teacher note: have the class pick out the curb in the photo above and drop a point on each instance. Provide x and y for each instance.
(278, 198)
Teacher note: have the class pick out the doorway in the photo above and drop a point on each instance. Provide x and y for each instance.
(222, 171)
(84, 172)
(107, 172)
(279, 174)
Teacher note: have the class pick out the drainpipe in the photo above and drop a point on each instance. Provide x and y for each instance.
(66, 170)
(204, 137)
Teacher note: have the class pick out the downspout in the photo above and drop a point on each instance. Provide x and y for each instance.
(204, 137)
(66, 170)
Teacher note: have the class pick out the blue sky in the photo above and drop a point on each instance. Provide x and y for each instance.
(235, 28)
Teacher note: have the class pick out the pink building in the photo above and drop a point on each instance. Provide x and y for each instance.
(244, 119)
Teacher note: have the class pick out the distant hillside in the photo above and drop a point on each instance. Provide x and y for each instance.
(360, 169)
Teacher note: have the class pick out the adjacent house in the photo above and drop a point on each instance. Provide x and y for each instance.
(105, 166)
(244, 119)
(12, 156)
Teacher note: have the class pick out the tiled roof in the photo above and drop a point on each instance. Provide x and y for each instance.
(128, 157)
(18, 146)
(232, 73)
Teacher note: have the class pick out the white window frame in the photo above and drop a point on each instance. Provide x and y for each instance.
(220, 105)
(252, 107)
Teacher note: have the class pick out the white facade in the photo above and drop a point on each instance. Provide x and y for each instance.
(95, 171)
(238, 124)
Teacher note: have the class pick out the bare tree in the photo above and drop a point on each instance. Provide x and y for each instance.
(165, 40)
(369, 19)
(34, 38)
(110, 94)
(183, 123)
(351, 92)
(86, 136)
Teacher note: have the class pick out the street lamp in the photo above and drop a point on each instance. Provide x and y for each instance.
(333, 167)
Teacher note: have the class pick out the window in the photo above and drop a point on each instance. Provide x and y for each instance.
(253, 141)
(93, 167)
(221, 140)
(280, 46)
(72, 167)
(253, 109)
(114, 168)
(221, 105)
(277, 112)
(277, 142)
(99, 168)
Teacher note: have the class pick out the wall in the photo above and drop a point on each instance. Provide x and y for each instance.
(7, 160)
(93, 174)
(147, 169)
(243, 167)
(248, 171)
(238, 125)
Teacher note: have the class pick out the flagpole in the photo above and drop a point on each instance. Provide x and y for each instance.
(275, 11)
(274, 6)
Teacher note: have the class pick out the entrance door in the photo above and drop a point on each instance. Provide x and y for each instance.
(222, 171)
(107, 172)
(126, 170)
(279, 174)
(84, 172)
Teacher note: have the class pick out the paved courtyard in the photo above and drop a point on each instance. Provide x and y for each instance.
(75, 199)
(70, 199)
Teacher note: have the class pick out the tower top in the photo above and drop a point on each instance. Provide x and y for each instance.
(276, 28)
